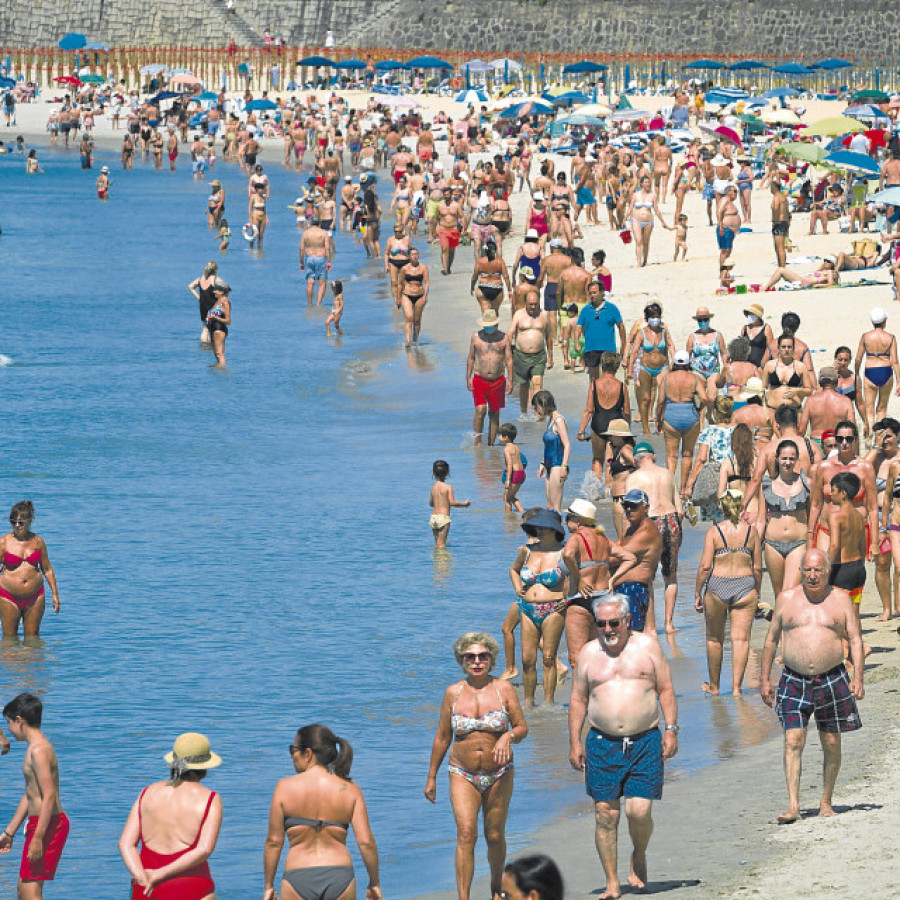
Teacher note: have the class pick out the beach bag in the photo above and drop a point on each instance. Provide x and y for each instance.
(625, 235)
(706, 487)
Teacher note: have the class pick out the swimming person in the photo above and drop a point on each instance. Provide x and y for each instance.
(479, 722)
(25, 566)
(315, 810)
(181, 818)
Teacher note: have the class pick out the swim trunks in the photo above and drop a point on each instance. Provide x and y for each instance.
(489, 393)
(669, 528)
(528, 365)
(438, 521)
(638, 595)
(725, 238)
(708, 192)
(584, 197)
(619, 766)
(316, 267)
(849, 576)
(827, 696)
(44, 869)
(780, 229)
(551, 290)
(448, 237)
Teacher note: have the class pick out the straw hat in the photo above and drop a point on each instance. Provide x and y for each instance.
(489, 318)
(582, 509)
(755, 310)
(753, 388)
(702, 313)
(191, 751)
(617, 428)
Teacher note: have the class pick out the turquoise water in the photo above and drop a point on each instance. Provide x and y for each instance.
(246, 551)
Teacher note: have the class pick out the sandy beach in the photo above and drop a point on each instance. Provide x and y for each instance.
(714, 834)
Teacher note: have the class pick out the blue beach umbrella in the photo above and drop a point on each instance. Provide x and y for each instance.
(569, 98)
(7, 82)
(96, 45)
(206, 95)
(704, 64)
(853, 162)
(428, 62)
(350, 64)
(579, 119)
(471, 97)
(781, 93)
(477, 66)
(261, 104)
(316, 61)
(889, 195)
(154, 69)
(528, 108)
(865, 112)
(584, 67)
(726, 95)
(72, 41)
(831, 64)
(792, 69)
(389, 65)
(164, 95)
(746, 65)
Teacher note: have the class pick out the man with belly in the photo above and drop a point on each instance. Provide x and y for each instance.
(811, 621)
(533, 348)
(826, 407)
(489, 370)
(621, 683)
(553, 265)
(641, 538)
(449, 223)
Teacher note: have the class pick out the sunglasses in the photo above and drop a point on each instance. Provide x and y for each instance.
(844, 439)
(612, 623)
(293, 748)
(19, 521)
(476, 657)
(629, 507)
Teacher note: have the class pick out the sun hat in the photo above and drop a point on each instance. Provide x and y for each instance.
(537, 195)
(878, 315)
(643, 447)
(635, 495)
(532, 234)
(831, 258)
(583, 509)
(617, 428)
(215, 183)
(105, 170)
(489, 318)
(828, 373)
(719, 160)
(191, 752)
(753, 388)
(755, 310)
(703, 313)
(681, 358)
(546, 518)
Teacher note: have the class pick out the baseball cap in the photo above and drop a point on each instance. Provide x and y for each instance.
(681, 358)
(635, 495)
(644, 447)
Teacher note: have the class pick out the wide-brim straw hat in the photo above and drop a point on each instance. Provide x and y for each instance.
(703, 312)
(618, 428)
(489, 318)
(755, 310)
(191, 751)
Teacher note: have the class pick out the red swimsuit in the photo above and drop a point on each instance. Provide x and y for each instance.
(11, 561)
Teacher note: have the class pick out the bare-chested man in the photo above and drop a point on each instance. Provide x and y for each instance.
(527, 284)
(621, 683)
(449, 223)
(729, 222)
(552, 267)
(666, 513)
(489, 375)
(810, 621)
(48, 825)
(641, 538)
(826, 407)
(348, 203)
(890, 170)
(316, 253)
(781, 221)
(885, 457)
(574, 279)
(533, 353)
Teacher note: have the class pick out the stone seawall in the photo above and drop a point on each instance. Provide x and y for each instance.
(739, 27)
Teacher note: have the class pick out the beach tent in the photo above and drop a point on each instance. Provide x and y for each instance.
(315, 61)
(584, 67)
(428, 62)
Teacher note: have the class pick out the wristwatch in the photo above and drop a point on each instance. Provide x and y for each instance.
(673, 728)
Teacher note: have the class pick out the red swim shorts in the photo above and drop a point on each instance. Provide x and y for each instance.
(489, 393)
(44, 869)
(448, 237)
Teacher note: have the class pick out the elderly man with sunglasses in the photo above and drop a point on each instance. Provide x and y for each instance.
(622, 681)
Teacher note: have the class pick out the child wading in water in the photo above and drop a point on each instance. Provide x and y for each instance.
(441, 501)
(224, 235)
(337, 308)
(514, 467)
(48, 826)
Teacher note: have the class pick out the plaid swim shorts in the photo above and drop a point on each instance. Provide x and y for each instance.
(827, 695)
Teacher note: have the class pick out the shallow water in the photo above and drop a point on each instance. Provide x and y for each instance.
(245, 551)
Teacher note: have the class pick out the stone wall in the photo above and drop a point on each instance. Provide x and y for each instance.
(738, 27)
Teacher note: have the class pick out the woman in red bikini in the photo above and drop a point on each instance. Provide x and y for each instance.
(177, 823)
(25, 566)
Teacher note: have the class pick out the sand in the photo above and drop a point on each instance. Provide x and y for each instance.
(714, 834)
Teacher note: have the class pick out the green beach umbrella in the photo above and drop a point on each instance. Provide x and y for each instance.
(834, 126)
(749, 119)
(870, 96)
(809, 152)
(93, 79)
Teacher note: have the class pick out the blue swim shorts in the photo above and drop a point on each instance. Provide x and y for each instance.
(708, 192)
(638, 595)
(725, 238)
(316, 268)
(617, 767)
(584, 197)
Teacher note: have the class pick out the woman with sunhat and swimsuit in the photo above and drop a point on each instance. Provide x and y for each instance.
(177, 823)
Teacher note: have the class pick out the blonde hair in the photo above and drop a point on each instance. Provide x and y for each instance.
(463, 642)
(210, 268)
(723, 407)
(731, 503)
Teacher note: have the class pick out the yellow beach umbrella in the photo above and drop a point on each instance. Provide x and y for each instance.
(593, 109)
(834, 126)
(780, 117)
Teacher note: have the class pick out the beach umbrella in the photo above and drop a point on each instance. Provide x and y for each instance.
(747, 65)
(244, 68)
(96, 45)
(730, 135)
(164, 95)
(315, 61)
(750, 119)
(92, 79)
(834, 126)
(350, 64)
(7, 82)
(569, 98)
(428, 62)
(584, 67)
(579, 119)
(181, 72)
(206, 95)
(780, 117)
(67, 79)
(860, 163)
(476, 67)
(389, 65)
(184, 79)
(471, 96)
(154, 69)
(780, 93)
(528, 108)
(725, 95)
(261, 104)
(621, 115)
(865, 111)
(870, 96)
(889, 195)
(831, 64)
(72, 41)
(592, 109)
(704, 64)
(792, 69)
(508, 65)
(808, 152)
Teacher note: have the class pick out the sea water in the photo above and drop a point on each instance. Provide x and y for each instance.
(245, 551)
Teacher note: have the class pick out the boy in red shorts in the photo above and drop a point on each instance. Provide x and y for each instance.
(48, 826)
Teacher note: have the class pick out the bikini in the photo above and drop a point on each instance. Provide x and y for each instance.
(12, 561)
(879, 375)
(318, 882)
(775, 502)
(644, 205)
(495, 721)
(193, 884)
(647, 347)
(848, 390)
(589, 563)
(794, 381)
(550, 579)
(731, 589)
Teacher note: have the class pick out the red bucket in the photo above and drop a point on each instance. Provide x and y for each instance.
(625, 234)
